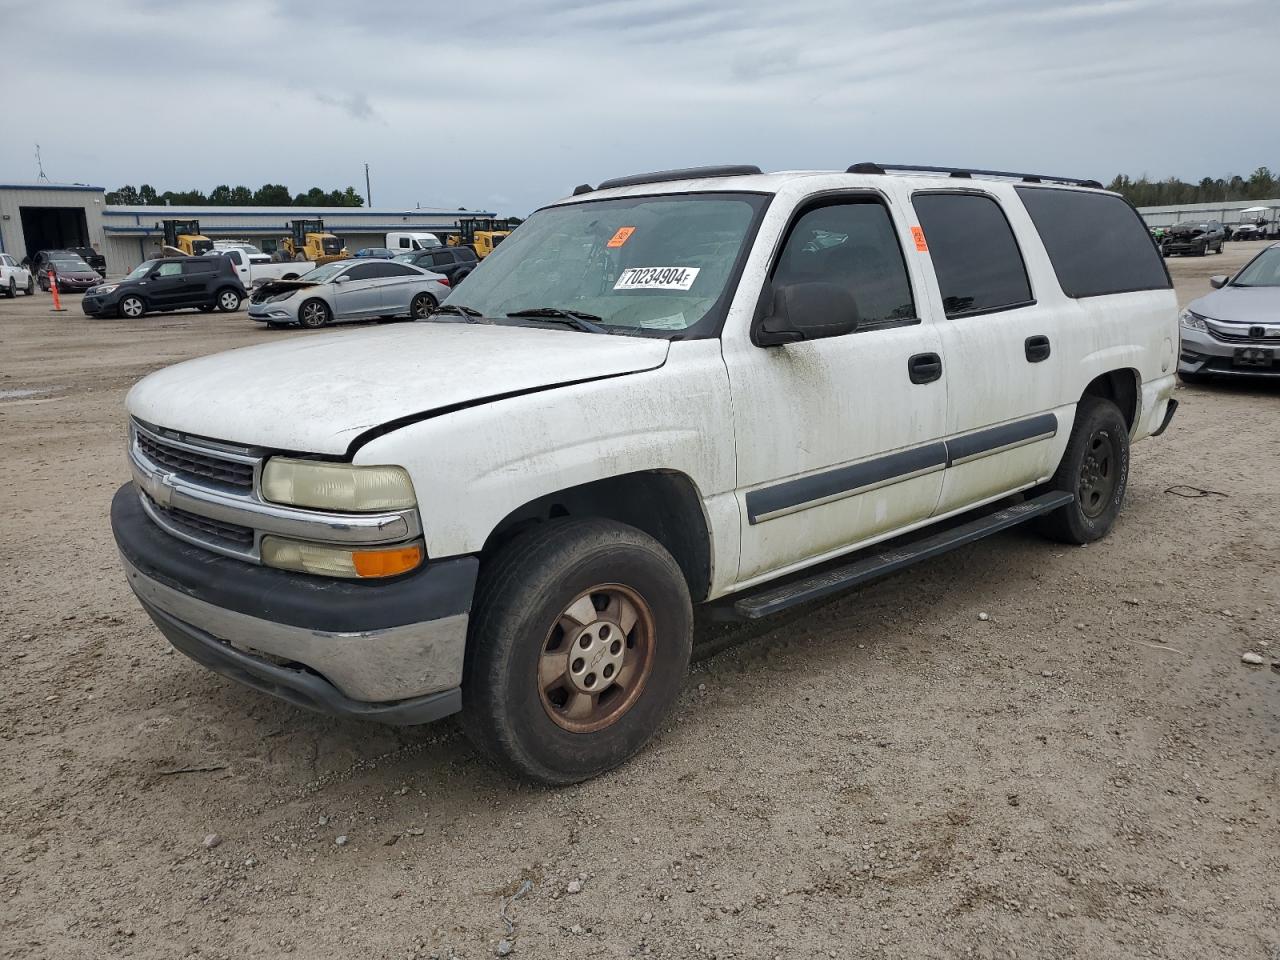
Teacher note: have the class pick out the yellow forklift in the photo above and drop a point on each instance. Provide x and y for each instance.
(308, 240)
(183, 237)
(481, 234)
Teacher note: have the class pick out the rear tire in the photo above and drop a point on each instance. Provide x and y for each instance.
(314, 314)
(228, 300)
(31, 286)
(423, 305)
(558, 695)
(1095, 467)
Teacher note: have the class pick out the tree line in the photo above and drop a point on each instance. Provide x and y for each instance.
(1262, 184)
(268, 195)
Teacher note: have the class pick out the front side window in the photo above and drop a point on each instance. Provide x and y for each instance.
(853, 245)
(975, 255)
(661, 265)
(169, 269)
(365, 271)
(389, 269)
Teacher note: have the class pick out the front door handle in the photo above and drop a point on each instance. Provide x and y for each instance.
(924, 368)
(1037, 348)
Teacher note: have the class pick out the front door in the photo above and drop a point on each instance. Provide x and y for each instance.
(1004, 350)
(839, 440)
(359, 294)
(166, 290)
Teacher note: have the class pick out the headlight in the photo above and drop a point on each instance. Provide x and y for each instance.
(106, 288)
(328, 561)
(336, 486)
(1193, 321)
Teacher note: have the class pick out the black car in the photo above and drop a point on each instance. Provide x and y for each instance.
(67, 270)
(1194, 236)
(169, 283)
(92, 257)
(454, 262)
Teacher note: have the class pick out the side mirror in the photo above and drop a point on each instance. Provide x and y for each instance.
(154, 275)
(342, 279)
(1218, 282)
(807, 311)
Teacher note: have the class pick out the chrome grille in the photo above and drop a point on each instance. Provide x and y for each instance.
(202, 464)
(1244, 332)
(204, 529)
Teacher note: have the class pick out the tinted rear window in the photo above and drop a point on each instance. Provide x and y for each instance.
(974, 253)
(1097, 243)
(201, 265)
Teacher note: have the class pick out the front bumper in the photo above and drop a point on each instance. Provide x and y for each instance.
(272, 312)
(390, 651)
(96, 306)
(1184, 246)
(1202, 353)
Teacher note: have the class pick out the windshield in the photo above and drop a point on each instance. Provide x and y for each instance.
(659, 264)
(1264, 271)
(141, 270)
(69, 265)
(405, 257)
(331, 245)
(327, 272)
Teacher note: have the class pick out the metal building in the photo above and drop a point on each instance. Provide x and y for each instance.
(1229, 212)
(43, 216)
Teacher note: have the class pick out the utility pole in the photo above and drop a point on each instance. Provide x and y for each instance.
(368, 193)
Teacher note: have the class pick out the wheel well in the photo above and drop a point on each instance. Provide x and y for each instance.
(290, 276)
(664, 505)
(1121, 388)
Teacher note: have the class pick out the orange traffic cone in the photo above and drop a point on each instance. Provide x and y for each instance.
(53, 288)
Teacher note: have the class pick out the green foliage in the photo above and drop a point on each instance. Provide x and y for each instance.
(224, 195)
(1143, 192)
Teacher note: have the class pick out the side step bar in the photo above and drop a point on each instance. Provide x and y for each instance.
(776, 599)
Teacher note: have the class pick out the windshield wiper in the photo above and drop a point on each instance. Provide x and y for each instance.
(458, 309)
(587, 322)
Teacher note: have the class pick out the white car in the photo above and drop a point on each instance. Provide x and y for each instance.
(697, 386)
(14, 277)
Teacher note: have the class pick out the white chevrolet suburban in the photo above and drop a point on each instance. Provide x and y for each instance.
(699, 386)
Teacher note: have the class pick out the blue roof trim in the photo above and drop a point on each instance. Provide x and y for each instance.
(51, 186)
(209, 230)
(324, 213)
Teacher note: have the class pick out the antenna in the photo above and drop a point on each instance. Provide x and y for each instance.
(40, 165)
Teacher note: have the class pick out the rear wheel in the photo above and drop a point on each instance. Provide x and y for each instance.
(1095, 468)
(131, 308)
(31, 286)
(580, 638)
(228, 300)
(314, 314)
(423, 305)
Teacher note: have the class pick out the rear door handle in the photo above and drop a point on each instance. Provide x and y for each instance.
(1037, 348)
(924, 368)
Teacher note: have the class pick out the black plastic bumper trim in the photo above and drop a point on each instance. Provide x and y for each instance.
(1169, 411)
(438, 589)
(300, 687)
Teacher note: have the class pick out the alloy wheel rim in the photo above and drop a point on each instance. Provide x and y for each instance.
(421, 307)
(132, 307)
(596, 658)
(312, 315)
(1098, 475)
(229, 301)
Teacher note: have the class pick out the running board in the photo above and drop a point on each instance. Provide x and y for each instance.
(776, 599)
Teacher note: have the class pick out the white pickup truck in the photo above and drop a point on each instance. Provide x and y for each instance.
(699, 386)
(254, 267)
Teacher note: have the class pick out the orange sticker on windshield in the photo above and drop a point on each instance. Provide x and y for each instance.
(918, 235)
(622, 236)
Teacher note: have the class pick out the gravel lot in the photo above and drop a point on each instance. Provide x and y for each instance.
(1091, 771)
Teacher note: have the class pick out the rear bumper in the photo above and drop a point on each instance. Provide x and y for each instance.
(389, 651)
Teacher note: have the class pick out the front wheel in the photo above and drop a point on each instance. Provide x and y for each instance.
(31, 286)
(423, 305)
(228, 301)
(579, 642)
(1095, 468)
(131, 308)
(314, 314)
(12, 290)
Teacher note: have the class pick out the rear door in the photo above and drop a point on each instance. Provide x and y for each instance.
(397, 284)
(358, 295)
(198, 275)
(1002, 348)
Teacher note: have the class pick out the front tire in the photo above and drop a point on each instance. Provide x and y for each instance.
(579, 642)
(1095, 467)
(12, 290)
(228, 300)
(314, 314)
(31, 286)
(131, 308)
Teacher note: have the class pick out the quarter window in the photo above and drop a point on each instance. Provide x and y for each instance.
(852, 244)
(975, 255)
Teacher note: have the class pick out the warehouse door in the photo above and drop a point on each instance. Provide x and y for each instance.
(53, 228)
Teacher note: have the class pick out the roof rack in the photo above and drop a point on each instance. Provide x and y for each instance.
(965, 174)
(664, 176)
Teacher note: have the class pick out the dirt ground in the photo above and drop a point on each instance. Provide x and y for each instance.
(1090, 772)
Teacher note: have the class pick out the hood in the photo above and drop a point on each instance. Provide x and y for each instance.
(317, 394)
(271, 288)
(1257, 305)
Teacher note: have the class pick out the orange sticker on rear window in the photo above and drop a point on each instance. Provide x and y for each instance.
(918, 236)
(622, 236)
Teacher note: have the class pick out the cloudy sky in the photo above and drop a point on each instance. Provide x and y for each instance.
(508, 105)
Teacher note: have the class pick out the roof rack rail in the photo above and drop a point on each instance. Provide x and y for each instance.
(965, 173)
(688, 173)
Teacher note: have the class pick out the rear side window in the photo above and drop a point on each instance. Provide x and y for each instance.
(200, 265)
(461, 254)
(1096, 242)
(440, 259)
(975, 255)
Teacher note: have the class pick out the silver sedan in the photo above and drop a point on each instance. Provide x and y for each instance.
(349, 290)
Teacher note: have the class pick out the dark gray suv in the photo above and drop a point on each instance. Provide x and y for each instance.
(454, 262)
(168, 283)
